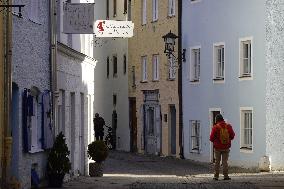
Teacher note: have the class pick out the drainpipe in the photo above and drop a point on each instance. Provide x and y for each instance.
(180, 78)
(53, 67)
(7, 94)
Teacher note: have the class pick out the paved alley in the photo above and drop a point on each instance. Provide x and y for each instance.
(133, 171)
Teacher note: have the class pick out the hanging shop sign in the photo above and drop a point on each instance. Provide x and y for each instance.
(78, 18)
(113, 28)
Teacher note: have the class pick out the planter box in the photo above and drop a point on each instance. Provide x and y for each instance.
(96, 169)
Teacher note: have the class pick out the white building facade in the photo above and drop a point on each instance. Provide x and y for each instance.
(225, 72)
(111, 74)
(75, 92)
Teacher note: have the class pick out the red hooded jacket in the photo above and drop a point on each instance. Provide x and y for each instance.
(215, 135)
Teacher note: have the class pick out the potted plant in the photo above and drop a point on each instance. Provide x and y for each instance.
(58, 163)
(98, 152)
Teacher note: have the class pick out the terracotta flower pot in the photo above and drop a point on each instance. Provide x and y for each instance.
(96, 169)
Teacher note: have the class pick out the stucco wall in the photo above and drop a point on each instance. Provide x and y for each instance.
(205, 23)
(105, 87)
(147, 40)
(71, 79)
(274, 22)
(31, 67)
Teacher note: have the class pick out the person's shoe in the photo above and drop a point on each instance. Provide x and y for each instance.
(215, 178)
(227, 178)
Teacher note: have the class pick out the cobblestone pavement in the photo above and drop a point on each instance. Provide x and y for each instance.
(133, 171)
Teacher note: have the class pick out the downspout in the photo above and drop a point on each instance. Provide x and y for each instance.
(53, 66)
(7, 93)
(180, 78)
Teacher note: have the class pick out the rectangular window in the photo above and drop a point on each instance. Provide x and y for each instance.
(155, 9)
(133, 77)
(155, 67)
(144, 68)
(114, 66)
(172, 68)
(219, 62)
(107, 9)
(245, 58)
(144, 12)
(172, 7)
(195, 65)
(125, 7)
(114, 8)
(107, 67)
(246, 126)
(195, 136)
(124, 64)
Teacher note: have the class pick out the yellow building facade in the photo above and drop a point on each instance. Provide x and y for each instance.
(153, 83)
(1, 89)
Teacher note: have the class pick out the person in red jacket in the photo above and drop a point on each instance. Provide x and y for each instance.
(221, 148)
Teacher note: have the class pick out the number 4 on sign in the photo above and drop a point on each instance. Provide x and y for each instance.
(100, 26)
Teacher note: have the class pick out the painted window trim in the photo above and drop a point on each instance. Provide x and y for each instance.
(144, 74)
(241, 76)
(155, 67)
(170, 7)
(243, 149)
(190, 67)
(217, 80)
(155, 10)
(191, 150)
(143, 12)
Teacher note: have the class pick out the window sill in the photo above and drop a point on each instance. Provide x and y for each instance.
(195, 151)
(194, 81)
(143, 81)
(35, 150)
(218, 79)
(245, 76)
(171, 79)
(246, 150)
(171, 16)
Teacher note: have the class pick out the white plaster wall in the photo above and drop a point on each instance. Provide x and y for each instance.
(105, 88)
(76, 75)
(206, 22)
(274, 22)
(31, 67)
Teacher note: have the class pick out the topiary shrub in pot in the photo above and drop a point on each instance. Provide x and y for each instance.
(58, 163)
(98, 152)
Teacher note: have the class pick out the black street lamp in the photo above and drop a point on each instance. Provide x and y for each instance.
(169, 40)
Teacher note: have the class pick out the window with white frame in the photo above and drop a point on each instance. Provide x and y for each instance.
(195, 136)
(155, 67)
(171, 68)
(34, 12)
(155, 10)
(34, 121)
(144, 12)
(172, 7)
(144, 68)
(219, 62)
(246, 128)
(195, 65)
(245, 58)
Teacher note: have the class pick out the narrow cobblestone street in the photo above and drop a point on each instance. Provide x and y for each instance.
(126, 170)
